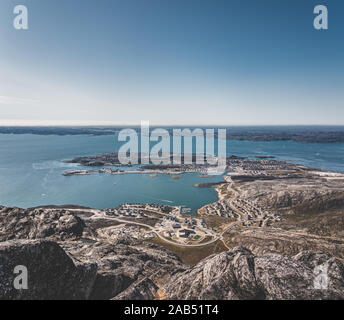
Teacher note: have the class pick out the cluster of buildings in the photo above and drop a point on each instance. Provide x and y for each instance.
(123, 211)
(222, 209)
(241, 210)
(87, 172)
(172, 225)
(136, 210)
(254, 167)
(109, 170)
(179, 227)
(156, 207)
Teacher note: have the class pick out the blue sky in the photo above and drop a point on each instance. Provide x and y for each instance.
(230, 62)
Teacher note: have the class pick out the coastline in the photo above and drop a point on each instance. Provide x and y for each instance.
(240, 224)
(304, 134)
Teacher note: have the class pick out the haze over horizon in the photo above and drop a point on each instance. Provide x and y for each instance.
(236, 62)
(105, 124)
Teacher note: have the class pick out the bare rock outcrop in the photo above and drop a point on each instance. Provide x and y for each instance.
(120, 265)
(144, 289)
(88, 271)
(51, 272)
(120, 261)
(263, 240)
(228, 275)
(81, 258)
(238, 274)
(16, 223)
(308, 193)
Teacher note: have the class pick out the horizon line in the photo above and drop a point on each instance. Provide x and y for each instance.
(113, 124)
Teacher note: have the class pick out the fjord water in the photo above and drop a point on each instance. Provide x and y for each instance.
(31, 168)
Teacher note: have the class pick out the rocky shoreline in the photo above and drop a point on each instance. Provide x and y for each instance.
(277, 223)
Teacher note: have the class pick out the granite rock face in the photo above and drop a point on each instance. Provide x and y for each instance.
(121, 265)
(262, 241)
(16, 223)
(69, 257)
(51, 273)
(228, 275)
(90, 271)
(238, 274)
(142, 290)
(77, 244)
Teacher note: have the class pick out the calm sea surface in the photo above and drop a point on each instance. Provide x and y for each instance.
(31, 170)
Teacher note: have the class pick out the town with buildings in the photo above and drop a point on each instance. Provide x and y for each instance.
(175, 224)
(169, 223)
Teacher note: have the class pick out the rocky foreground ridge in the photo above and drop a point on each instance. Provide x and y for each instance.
(68, 258)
